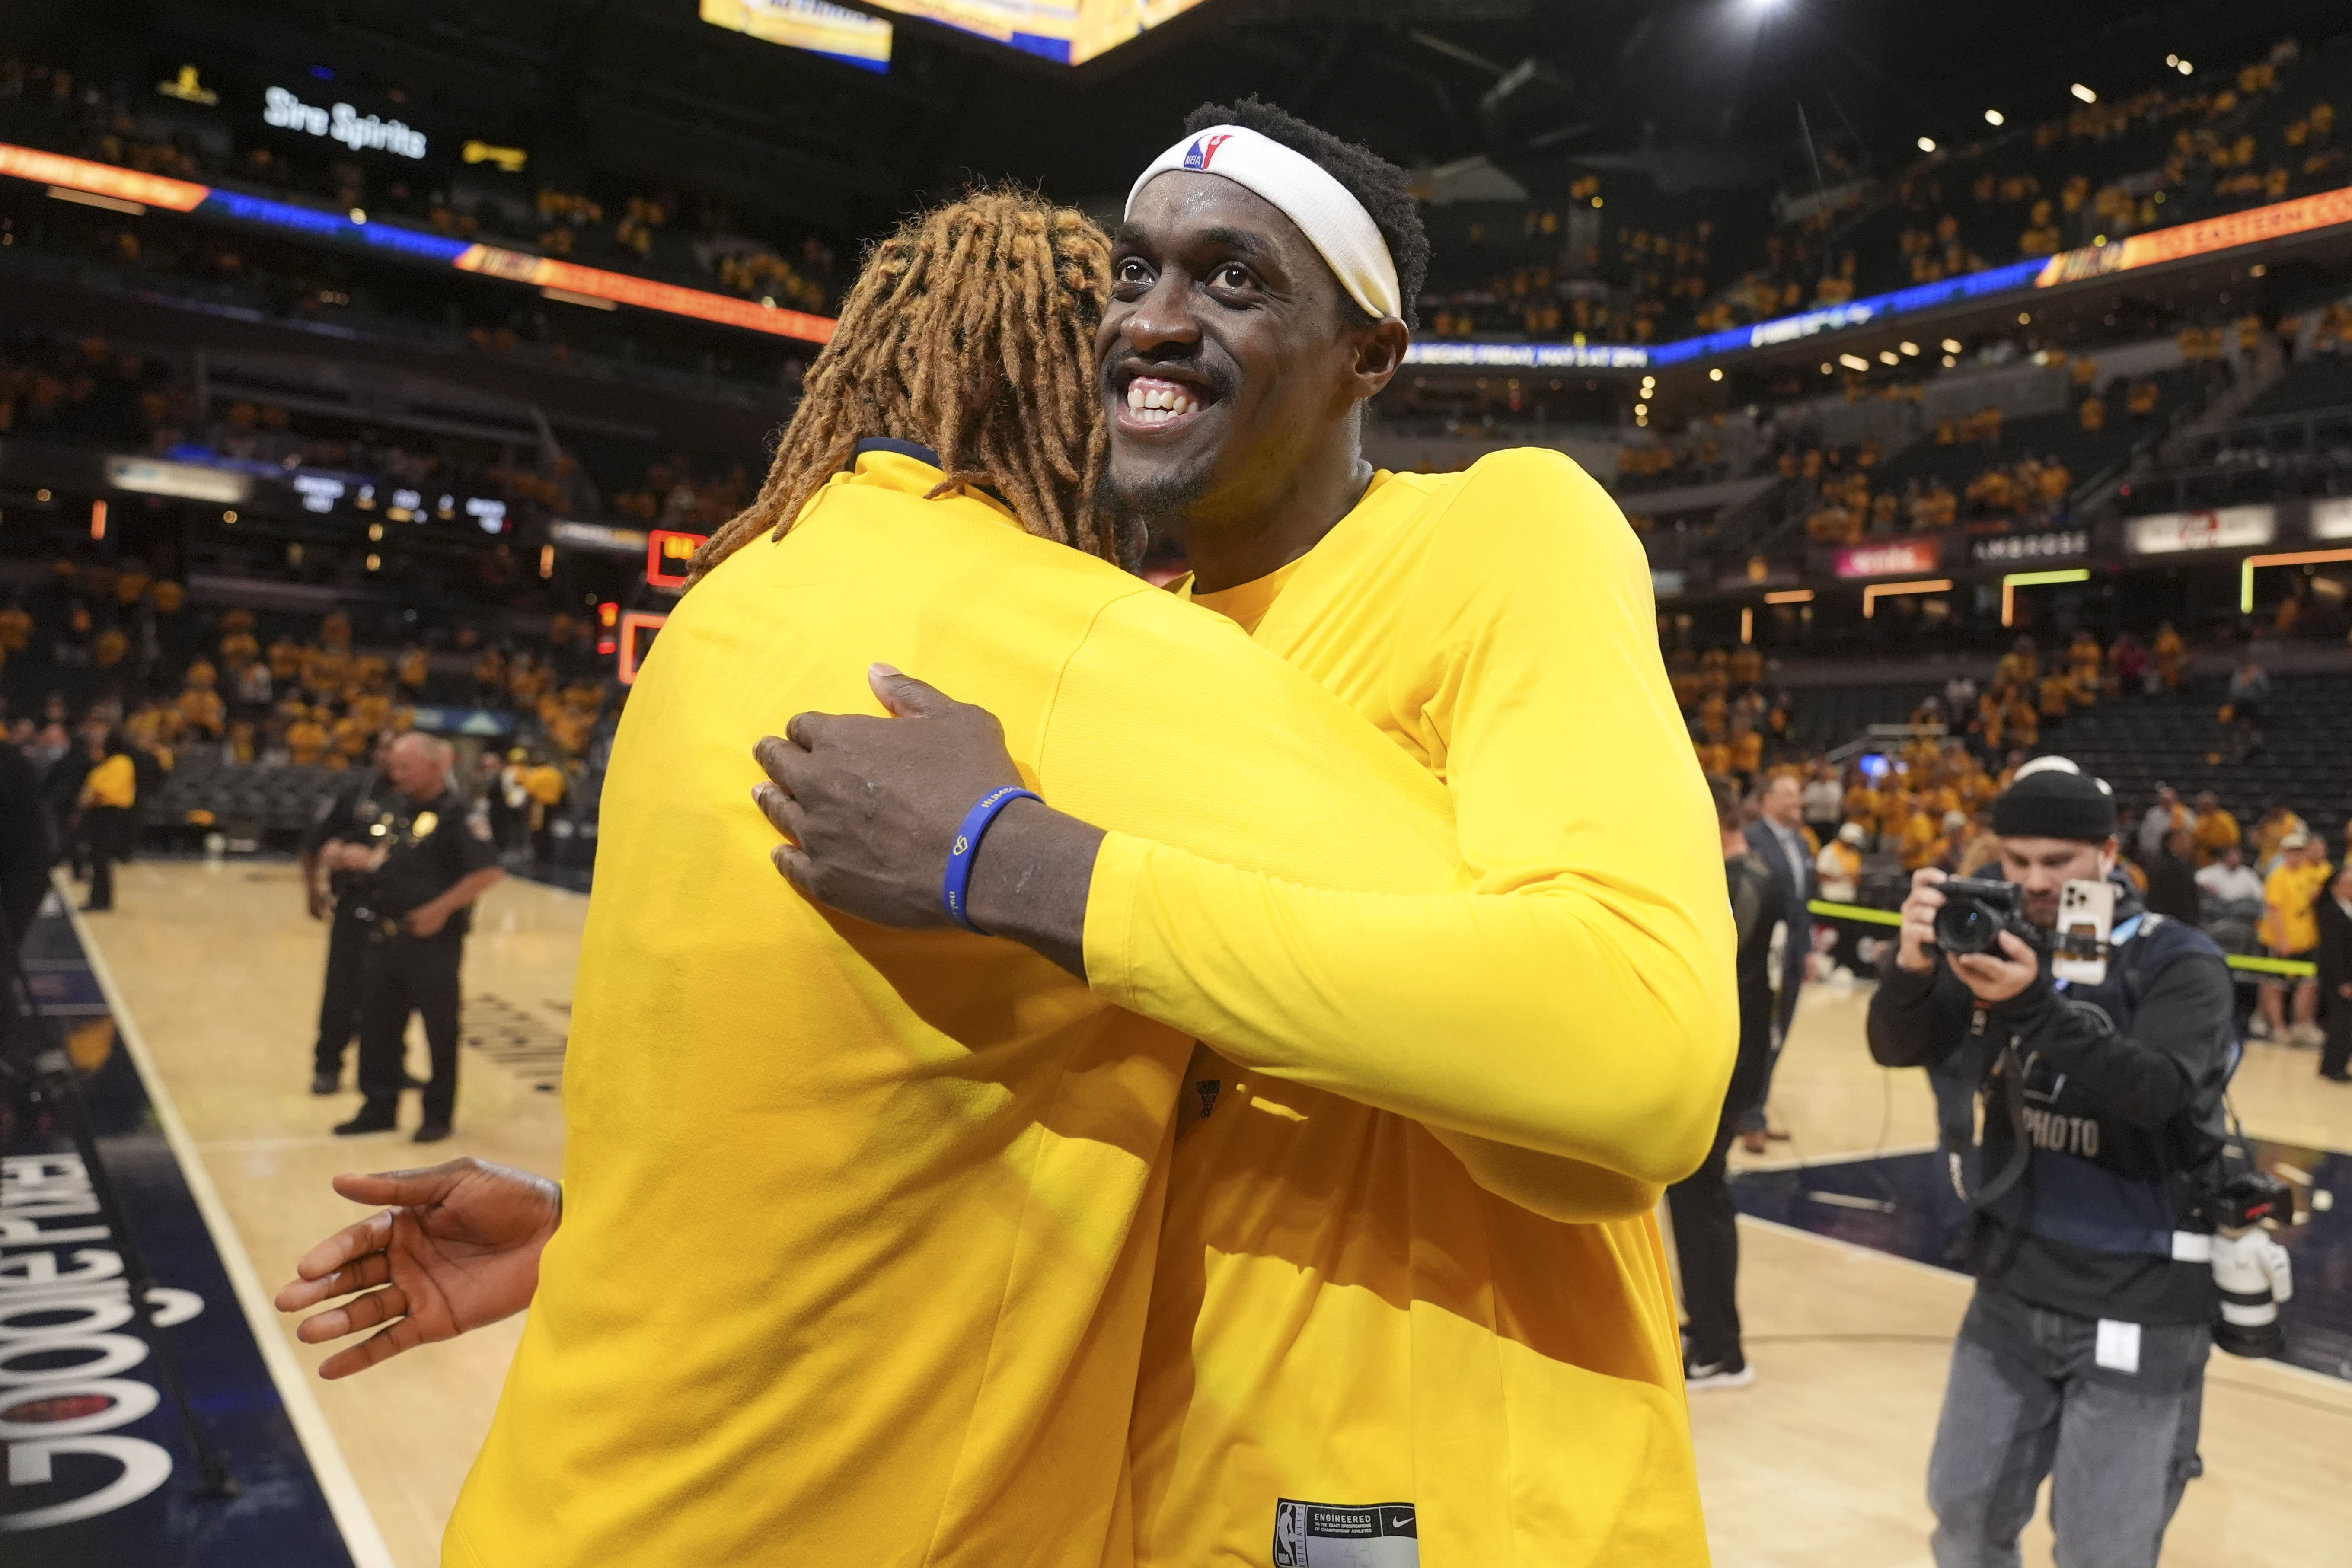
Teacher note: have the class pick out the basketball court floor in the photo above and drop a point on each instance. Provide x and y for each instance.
(211, 975)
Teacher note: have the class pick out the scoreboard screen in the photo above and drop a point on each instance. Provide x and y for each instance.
(1071, 32)
(1067, 32)
(837, 32)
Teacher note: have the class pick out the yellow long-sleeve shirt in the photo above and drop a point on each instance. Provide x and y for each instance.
(1341, 1314)
(859, 1224)
(2216, 831)
(113, 782)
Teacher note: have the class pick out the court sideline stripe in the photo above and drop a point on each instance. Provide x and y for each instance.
(361, 1536)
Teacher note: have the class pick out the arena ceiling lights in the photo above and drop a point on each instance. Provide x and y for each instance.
(128, 190)
(2256, 225)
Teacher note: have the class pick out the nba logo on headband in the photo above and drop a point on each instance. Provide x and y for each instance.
(1203, 148)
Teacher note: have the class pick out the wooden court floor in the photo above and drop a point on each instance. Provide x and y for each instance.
(1822, 1462)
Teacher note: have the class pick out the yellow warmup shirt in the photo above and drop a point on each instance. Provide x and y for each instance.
(113, 782)
(1342, 1315)
(859, 1224)
(2216, 831)
(2291, 891)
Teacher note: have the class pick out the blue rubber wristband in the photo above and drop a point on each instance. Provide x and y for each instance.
(960, 854)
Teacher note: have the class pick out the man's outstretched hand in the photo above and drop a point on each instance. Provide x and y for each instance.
(869, 808)
(457, 1248)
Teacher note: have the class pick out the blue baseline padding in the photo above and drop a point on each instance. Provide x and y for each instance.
(281, 1519)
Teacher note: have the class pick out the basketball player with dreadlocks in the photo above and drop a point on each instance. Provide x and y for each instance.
(1638, 1472)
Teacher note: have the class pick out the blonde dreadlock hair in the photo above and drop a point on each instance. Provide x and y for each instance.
(972, 331)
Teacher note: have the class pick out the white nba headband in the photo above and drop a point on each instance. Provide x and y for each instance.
(1333, 221)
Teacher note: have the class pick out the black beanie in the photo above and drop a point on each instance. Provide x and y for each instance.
(2052, 798)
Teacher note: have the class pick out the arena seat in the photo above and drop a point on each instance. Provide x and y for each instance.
(2306, 761)
(1825, 717)
(2313, 382)
(2177, 739)
(263, 805)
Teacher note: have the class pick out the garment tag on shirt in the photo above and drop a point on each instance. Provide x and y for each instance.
(1208, 1090)
(2118, 1347)
(1328, 1535)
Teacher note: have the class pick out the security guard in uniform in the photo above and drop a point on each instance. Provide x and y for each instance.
(421, 865)
(345, 816)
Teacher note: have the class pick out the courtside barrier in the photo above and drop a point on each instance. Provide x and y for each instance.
(2296, 967)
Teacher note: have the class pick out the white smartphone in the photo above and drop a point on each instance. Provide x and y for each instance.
(2086, 916)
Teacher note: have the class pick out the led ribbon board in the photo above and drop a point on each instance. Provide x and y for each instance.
(2281, 220)
(102, 179)
(493, 261)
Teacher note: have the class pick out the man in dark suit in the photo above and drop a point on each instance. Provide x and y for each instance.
(1707, 1232)
(1778, 838)
(2335, 910)
(26, 850)
(26, 855)
(2172, 878)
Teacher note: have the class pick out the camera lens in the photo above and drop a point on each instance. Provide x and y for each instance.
(1965, 925)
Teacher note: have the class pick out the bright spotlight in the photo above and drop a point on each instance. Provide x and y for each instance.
(1889, 357)
(1854, 361)
(2184, 68)
(2085, 94)
(1716, 375)
(1641, 411)
(1926, 144)
(1995, 116)
(1951, 345)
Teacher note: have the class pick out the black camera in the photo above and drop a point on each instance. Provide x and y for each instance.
(2252, 1273)
(1976, 912)
(2246, 1199)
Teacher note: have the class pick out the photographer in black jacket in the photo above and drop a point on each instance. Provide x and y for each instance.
(2083, 1354)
